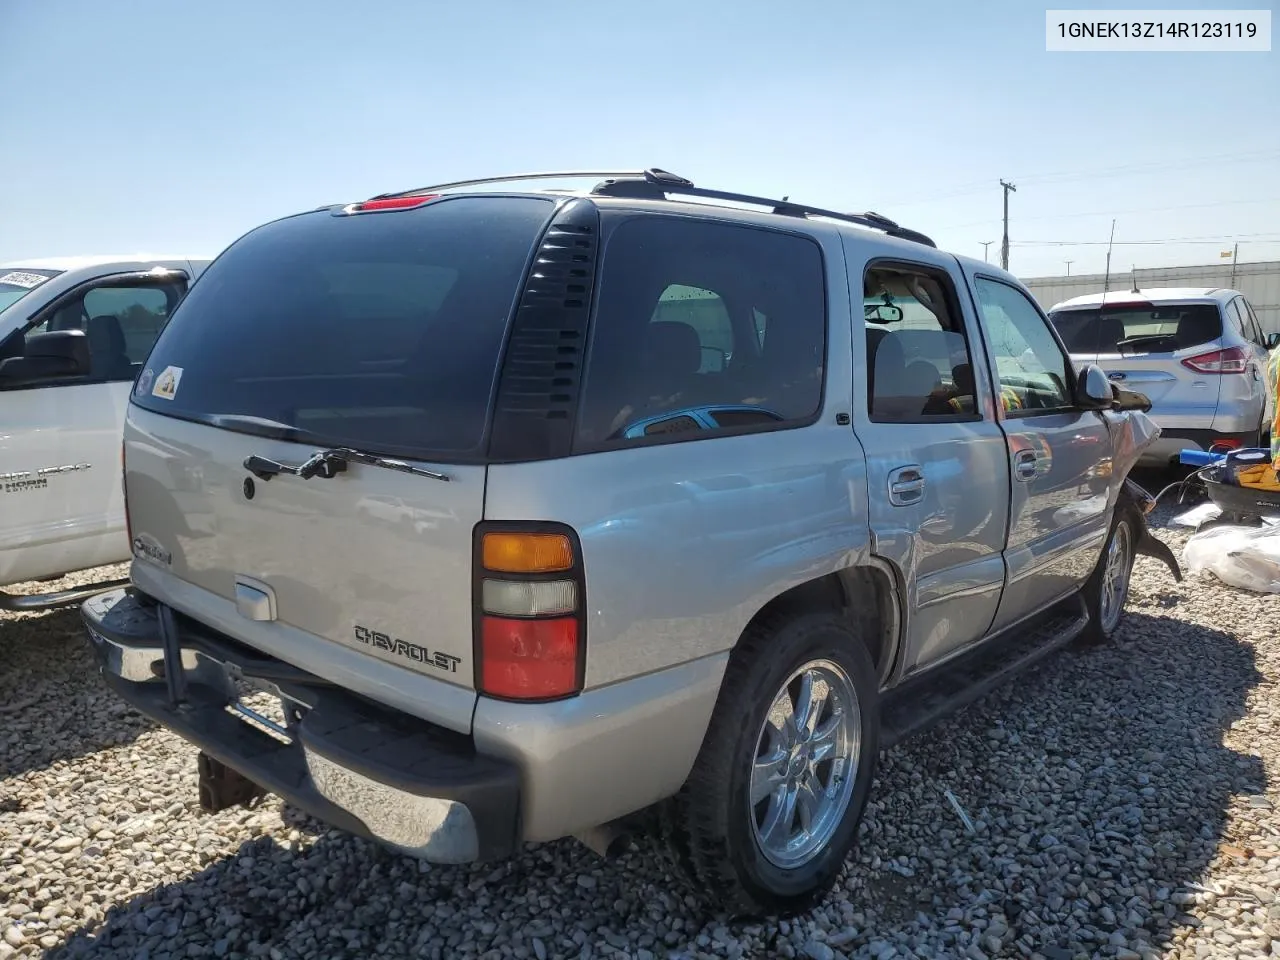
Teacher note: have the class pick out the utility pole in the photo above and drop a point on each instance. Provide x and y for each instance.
(1068, 263)
(985, 244)
(1235, 254)
(1004, 246)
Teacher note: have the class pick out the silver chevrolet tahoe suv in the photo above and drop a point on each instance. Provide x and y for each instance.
(547, 513)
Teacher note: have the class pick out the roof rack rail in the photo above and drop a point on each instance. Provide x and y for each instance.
(513, 178)
(655, 184)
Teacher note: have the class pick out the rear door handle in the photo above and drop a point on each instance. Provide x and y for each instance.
(1024, 465)
(906, 485)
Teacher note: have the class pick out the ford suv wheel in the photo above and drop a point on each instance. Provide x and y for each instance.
(771, 809)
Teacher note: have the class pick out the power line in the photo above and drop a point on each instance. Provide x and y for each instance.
(1065, 176)
(975, 187)
(1258, 238)
(1109, 213)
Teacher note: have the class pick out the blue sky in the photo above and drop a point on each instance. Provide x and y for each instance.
(154, 125)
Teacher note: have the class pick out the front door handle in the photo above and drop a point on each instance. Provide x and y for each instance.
(1024, 465)
(906, 485)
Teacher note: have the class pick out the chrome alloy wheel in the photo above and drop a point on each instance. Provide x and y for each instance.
(1115, 578)
(806, 762)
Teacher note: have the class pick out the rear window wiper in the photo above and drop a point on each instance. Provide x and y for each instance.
(327, 464)
(1144, 338)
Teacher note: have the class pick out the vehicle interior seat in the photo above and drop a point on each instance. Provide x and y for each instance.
(1109, 332)
(1196, 327)
(108, 358)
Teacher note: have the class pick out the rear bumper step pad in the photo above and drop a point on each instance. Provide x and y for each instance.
(353, 764)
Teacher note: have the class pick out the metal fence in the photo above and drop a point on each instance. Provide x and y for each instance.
(1259, 282)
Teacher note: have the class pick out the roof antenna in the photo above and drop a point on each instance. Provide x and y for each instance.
(1106, 279)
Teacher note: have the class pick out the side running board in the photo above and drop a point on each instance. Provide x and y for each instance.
(922, 702)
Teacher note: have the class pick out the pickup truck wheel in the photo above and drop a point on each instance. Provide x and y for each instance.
(771, 809)
(1107, 589)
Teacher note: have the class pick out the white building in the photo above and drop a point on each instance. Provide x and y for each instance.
(1259, 282)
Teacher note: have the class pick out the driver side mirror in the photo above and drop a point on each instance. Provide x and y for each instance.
(1093, 389)
(1273, 340)
(55, 355)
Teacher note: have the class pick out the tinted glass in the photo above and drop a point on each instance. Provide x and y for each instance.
(918, 362)
(380, 331)
(121, 321)
(696, 317)
(1255, 328)
(1031, 369)
(1141, 328)
(17, 283)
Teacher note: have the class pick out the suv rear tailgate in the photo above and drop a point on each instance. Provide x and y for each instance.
(363, 336)
(1141, 345)
(370, 563)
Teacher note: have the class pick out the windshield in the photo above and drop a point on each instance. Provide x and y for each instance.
(16, 283)
(1138, 328)
(378, 331)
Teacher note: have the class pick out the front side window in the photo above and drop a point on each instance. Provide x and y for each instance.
(701, 328)
(120, 321)
(1032, 372)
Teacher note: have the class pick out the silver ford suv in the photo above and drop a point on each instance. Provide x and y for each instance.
(548, 513)
(1199, 355)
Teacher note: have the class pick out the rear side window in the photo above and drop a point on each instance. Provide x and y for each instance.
(380, 331)
(919, 367)
(703, 327)
(1131, 329)
(1254, 328)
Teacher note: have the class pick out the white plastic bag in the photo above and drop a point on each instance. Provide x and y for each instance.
(1247, 557)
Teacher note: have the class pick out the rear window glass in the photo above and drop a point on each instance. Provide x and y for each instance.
(1146, 328)
(380, 331)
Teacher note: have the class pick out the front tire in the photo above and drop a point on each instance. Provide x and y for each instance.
(1107, 589)
(771, 809)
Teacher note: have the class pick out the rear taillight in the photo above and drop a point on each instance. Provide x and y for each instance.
(1230, 360)
(530, 622)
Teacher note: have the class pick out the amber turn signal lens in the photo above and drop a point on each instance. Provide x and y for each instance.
(527, 552)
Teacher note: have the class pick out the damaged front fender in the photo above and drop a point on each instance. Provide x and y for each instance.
(1136, 504)
(1132, 432)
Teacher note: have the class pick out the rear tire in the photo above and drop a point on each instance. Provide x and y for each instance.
(1107, 589)
(797, 728)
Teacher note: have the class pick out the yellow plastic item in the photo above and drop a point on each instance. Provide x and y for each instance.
(1273, 388)
(1261, 477)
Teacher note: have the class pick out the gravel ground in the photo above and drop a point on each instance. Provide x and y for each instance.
(1121, 799)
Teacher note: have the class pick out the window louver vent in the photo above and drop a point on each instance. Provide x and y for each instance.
(542, 369)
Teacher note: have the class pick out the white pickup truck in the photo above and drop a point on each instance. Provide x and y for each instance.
(73, 335)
